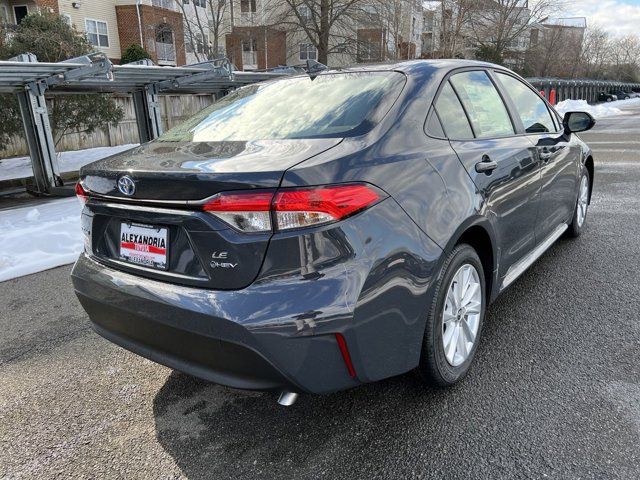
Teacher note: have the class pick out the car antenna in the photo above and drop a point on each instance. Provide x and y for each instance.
(314, 68)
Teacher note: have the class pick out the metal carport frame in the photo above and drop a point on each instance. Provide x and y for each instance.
(29, 80)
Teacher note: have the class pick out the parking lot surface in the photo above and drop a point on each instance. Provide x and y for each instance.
(555, 391)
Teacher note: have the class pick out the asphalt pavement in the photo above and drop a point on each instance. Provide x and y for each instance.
(555, 390)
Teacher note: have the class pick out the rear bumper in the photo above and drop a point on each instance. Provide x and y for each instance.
(367, 278)
(195, 331)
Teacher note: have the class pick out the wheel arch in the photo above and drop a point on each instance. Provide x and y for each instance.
(478, 233)
(588, 163)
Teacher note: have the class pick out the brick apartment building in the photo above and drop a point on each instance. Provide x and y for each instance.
(265, 33)
(256, 48)
(113, 25)
(253, 34)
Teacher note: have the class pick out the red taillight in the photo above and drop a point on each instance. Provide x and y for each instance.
(81, 193)
(240, 202)
(312, 206)
(245, 211)
(294, 208)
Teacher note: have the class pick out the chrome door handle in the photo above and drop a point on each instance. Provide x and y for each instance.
(486, 165)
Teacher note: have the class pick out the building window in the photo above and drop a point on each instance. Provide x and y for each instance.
(368, 51)
(250, 53)
(305, 13)
(168, 4)
(97, 33)
(370, 9)
(249, 45)
(4, 14)
(66, 18)
(427, 24)
(165, 47)
(19, 12)
(308, 52)
(248, 6)
(202, 45)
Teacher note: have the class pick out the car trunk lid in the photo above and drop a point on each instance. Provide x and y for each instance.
(181, 171)
(160, 231)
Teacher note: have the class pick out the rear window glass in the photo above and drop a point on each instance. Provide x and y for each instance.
(481, 100)
(331, 105)
(454, 121)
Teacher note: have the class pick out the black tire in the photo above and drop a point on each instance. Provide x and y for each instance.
(434, 368)
(575, 228)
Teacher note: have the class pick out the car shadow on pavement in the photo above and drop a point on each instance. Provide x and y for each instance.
(216, 432)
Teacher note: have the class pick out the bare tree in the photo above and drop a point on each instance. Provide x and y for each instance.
(203, 26)
(389, 20)
(455, 17)
(542, 58)
(604, 57)
(329, 25)
(595, 53)
(625, 58)
(557, 53)
(498, 24)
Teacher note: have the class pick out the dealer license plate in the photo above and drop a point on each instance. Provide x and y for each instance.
(144, 245)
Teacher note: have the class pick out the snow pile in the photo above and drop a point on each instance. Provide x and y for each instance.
(33, 239)
(601, 110)
(20, 167)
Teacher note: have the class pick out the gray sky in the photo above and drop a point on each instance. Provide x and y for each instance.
(619, 17)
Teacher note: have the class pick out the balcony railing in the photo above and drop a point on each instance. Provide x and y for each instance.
(250, 18)
(250, 60)
(166, 53)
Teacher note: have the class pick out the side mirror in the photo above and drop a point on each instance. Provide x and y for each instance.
(575, 122)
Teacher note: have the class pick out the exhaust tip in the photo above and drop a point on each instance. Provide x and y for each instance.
(286, 399)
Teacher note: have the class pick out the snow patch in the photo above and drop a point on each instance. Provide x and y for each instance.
(38, 238)
(20, 167)
(600, 110)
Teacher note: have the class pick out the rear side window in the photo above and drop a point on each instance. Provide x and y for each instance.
(454, 121)
(532, 110)
(488, 114)
(434, 127)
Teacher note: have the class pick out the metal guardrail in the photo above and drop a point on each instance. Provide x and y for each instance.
(579, 89)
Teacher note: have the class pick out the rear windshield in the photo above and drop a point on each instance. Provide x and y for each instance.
(332, 105)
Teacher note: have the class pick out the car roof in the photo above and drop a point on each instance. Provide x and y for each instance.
(416, 67)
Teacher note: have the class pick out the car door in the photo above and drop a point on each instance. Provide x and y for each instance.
(502, 164)
(558, 155)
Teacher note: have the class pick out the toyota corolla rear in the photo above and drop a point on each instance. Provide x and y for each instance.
(198, 258)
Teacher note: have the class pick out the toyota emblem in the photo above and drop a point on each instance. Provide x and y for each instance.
(126, 185)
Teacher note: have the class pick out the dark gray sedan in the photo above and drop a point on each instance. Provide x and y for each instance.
(314, 234)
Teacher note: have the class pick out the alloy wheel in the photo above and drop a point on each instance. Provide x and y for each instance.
(461, 315)
(583, 201)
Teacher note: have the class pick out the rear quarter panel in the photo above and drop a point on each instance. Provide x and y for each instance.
(432, 197)
(421, 173)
